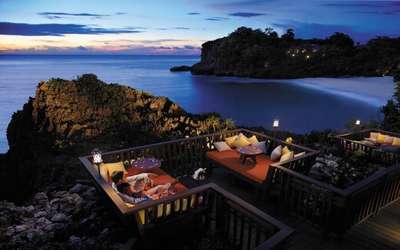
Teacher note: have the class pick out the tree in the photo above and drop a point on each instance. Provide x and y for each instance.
(289, 35)
(391, 110)
(341, 40)
(270, 33)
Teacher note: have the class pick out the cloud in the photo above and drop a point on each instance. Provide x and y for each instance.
(367, 7)
(217, 19)
(57, 15)
(120, 13)
(318, 30)
(193, 13)
(246, 14)
(51, 29)
(181, 28)
(82, 48)
(241, 3)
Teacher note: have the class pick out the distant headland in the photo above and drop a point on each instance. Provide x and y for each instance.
(263, 54)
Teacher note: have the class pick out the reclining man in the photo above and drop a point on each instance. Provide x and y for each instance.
(140, 187)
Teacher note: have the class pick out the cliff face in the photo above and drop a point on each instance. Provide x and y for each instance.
(69, 118)
(254, 53)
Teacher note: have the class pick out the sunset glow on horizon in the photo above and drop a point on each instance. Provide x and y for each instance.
(179, 26)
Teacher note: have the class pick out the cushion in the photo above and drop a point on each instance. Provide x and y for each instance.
(241, 141)
(396, 142)
(389, 139)
(221, 146)
(373, 135)
(299, 154)
(285, 150)
(261, 145)
(230, 160)
(381, 138)
(289, 140)
(276, 153)
(253, 140)
(230, 140)
(288, 156)
(107, 169)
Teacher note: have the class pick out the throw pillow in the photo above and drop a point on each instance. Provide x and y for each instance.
(276, 153)
(261, 145)
(285, 150)
(230, 140)
(221, 146)
(381, 138)
(389, 139)
(253, 140)
(287, 156)
(373, 135)
(396, 141)
(241, 141)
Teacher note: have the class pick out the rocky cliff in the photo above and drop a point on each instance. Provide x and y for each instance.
(263, 54)
(69, 118)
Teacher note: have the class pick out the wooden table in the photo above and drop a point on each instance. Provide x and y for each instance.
(249, 152)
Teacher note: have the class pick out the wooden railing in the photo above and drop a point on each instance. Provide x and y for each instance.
(244, 226)
(241, 225)
(331, 208)
(351, 142)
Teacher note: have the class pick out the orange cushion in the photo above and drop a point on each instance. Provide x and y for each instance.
(230, 159)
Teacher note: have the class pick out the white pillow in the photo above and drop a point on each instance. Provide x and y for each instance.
(276, 153)
(299, 154)
(261, 145)
(221, 146)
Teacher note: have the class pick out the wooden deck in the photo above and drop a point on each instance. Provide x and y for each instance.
(379, 232)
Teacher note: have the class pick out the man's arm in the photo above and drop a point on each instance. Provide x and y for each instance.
(141, 176)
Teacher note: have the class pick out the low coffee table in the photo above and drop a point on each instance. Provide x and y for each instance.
(146, 164)
(249, 152)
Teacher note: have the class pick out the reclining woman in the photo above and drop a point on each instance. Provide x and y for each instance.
(140, 187)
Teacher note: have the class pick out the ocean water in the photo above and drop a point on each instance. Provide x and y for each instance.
(301, 105)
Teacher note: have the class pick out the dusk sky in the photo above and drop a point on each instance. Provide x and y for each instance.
(178, 26)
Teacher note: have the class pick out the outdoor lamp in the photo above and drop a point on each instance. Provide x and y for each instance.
(97, 158)
(275, 124)
(358, 123)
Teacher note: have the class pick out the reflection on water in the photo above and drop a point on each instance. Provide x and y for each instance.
(249, 102)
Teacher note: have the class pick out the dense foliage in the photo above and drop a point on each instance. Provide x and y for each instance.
(257, 53)
(391, 110)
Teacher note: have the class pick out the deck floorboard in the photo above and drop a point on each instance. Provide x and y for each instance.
(380, 232)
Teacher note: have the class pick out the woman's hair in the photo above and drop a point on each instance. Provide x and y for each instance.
(116, 176)
(122, 187)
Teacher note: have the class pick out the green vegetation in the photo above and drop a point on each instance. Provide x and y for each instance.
(257, 53)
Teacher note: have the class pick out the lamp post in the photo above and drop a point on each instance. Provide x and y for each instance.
(97, 158)
(357, 125)
(275, 126)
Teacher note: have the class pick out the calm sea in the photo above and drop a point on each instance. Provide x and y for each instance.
(301, 105)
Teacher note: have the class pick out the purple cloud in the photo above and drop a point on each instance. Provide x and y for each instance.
(217, 19)
(52, 29)
(246, 14)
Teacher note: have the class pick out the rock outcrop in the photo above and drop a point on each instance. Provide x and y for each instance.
(255, 53)
(66, 119)
(180, 68)
(74, 219)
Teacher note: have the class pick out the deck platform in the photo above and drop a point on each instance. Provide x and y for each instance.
(379, 232)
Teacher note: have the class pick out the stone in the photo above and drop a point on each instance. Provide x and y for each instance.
(41, 198)
(21, 228)
(78, 188)
(59, 217)
(40, 214)
(74, 240)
